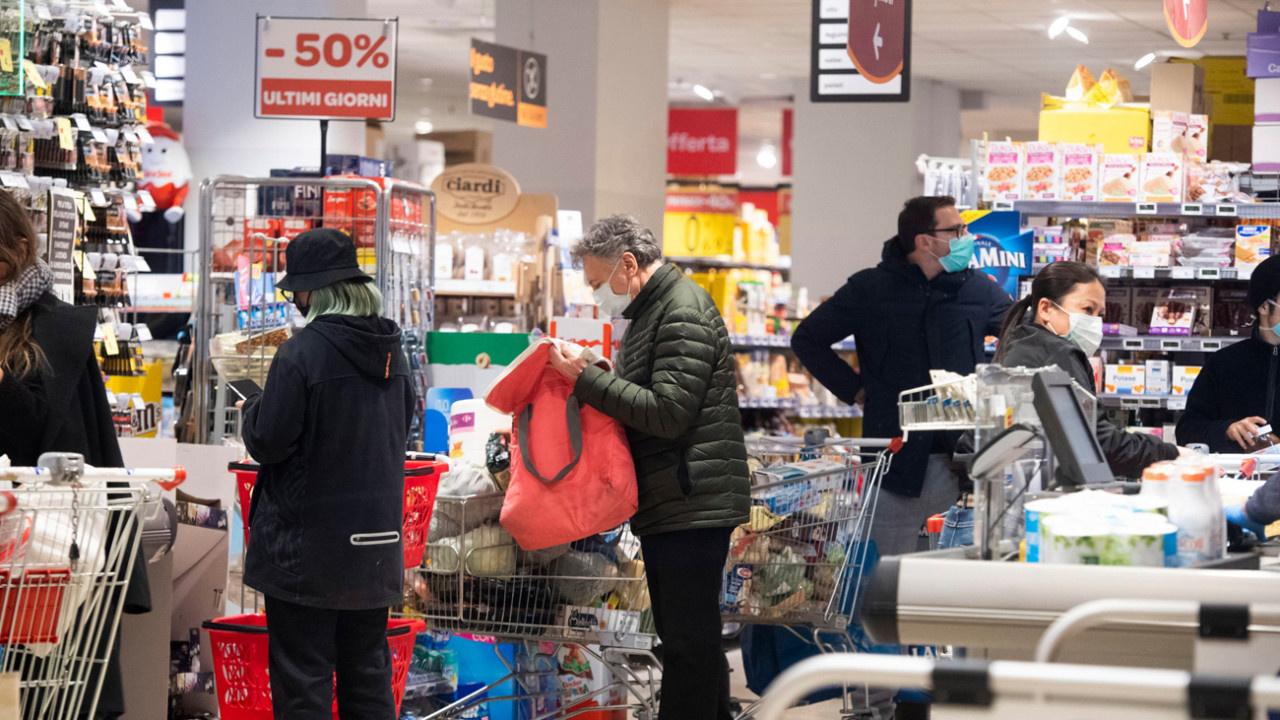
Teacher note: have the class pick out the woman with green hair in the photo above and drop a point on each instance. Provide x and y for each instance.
(330, 431)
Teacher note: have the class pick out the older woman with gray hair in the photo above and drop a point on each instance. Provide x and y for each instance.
(674, 390)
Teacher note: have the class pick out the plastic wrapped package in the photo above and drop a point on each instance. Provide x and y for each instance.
(747, 548)
(633, 595)
(453, 517)
(583, 578)
(488, 551)
(783, 575)
(540, 558)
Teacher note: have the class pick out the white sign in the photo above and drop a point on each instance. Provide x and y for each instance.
(322, 68)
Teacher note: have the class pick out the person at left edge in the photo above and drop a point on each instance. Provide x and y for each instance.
(922, 308)
(330, 431)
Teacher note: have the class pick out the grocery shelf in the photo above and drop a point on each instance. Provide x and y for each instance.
(727, 264)
(1175, 273)
(747, 342)
(475, 288)
(824, 412)
(1168, 344)
(752, 403)
(1062, 208)
(1170, 402)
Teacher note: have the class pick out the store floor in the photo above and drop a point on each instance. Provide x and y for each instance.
(738, 682)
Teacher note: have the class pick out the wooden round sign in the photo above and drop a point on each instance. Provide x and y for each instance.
(475, 194)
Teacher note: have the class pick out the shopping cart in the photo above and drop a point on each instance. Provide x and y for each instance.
(68, 532)
(589, 600)
(800, 561)
(240, 663)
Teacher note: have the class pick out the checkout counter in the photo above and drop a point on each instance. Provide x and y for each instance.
(983, 599)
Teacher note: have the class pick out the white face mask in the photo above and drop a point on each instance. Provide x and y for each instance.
(611, 304)
(1085, 331)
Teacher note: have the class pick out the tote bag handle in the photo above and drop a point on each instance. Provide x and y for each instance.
(573, 418)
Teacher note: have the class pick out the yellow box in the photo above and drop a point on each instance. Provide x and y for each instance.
(1119, 130)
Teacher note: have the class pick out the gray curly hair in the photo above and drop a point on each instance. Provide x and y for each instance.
(609, 238)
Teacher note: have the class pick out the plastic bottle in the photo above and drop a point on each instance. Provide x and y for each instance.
(1156, 482)
(1190, 510)
(1213, 498)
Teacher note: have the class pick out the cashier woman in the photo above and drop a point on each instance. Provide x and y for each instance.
(1060, 323)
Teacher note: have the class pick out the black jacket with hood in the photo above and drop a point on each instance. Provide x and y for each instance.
(1238, 381)
(1032, 346)
(330, 430)
(903, 325)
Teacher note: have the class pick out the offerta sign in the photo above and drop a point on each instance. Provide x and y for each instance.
(702, 142)
(326, 68)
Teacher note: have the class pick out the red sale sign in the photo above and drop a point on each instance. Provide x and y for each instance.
(326, 68)
(702, 142)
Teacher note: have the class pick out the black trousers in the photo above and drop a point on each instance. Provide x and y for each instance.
(310, 645)
(685, 570)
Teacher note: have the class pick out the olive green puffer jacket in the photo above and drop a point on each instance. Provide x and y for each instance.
(675, 391)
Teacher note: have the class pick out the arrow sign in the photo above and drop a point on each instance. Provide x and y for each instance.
(878, 37)
(1188, 20)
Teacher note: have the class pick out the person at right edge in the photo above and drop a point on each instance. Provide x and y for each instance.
(330, 431)
(920, 309)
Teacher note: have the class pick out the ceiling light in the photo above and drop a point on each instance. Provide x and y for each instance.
(1058, 26)
(1077, 35)
(423, 127)
(704, 92)
(1144, 61)
(767, 158)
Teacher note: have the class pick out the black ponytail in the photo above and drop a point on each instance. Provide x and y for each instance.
(1054, 282)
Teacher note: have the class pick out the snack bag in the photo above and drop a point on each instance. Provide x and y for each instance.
(1080, 84)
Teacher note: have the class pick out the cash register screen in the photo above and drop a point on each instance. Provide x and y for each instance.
(1071, 435)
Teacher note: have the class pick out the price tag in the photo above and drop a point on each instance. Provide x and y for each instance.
(1182, 273)
(66, 135)
(82, 122)
(141, 262)
(143, 332)
(1002, 205)
(6, 55)
(1171, 345)
(24, 124)
(145, 136)
(109, 344)
(1134, 344)
(1227, 211)
(1211, 345)
(42, 12)
(1209, 273)
(1130, 402)
(130, 76)
(148, 202)
(1110, 271)
(128, 262)
(1177, 402)
(97, 197)
(129, 136)
(112, 400)
(100, 135)
(148, 78)
(1192, 209)
(144, 20)
(1144, 273)
(9, 123)
(33, 75)
(1148, 209)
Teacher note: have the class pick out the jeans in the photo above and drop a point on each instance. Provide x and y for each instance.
(957, 528)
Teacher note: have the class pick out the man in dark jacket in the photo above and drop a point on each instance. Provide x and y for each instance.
(330, 431)
(676, 394)
(920, 309)
(1236, 392)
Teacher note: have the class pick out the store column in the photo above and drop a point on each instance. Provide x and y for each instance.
(853, 168)
(221, 135)
(603, 150)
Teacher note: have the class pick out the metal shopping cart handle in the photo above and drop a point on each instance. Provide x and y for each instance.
(68, 468)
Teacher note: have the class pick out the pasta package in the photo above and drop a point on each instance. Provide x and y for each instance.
(1004, 172)
(1079, 169)
(1041, 171)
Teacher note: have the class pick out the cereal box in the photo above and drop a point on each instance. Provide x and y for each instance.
(1168, 131)
(1120, 178)
(1079, 167)
(1253, 245)
(1040, 179)
(1197, 144)
(1163, 177)
(1004, 172)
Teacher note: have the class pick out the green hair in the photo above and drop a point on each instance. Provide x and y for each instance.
(357, 298)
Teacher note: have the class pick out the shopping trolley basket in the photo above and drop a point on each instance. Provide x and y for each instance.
(240, 663)
(591, 594)
(67, 537)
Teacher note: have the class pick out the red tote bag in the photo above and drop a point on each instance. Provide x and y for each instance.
(571, 470)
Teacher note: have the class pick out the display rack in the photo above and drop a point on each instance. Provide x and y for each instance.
(782, 342)
(1055, 208)
(1155, 343)
(720, 263)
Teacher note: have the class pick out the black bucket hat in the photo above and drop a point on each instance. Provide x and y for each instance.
(320, 257)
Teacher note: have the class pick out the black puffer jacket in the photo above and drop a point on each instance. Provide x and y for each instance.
(1127, 453)
(675, 391)
(905, 325)
(330, 430)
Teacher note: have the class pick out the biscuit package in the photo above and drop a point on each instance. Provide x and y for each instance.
(1079, 167)
(1004, 172)
(1163, 177)
(1120, 178)
(1168, 131)
(1253, 245)
(1041, 171)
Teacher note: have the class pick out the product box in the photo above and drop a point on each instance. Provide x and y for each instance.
(1120, 177)
(1184, 376)
(291, 228)
(1266, 148)
(1119, 306)
(1253, 245)
(357, 165)
(1173, 316)
(1041, 172)
(576, 617)
(1125, 380)
(1232, 316)
(1115, 250)
(1197, 144)
(1004, 172)
(1145, 300)
(1168, 131)
(1117, 129)
(1098, 234)
(1163, 177)
(1159, 377)
(1178, 87)
(1080, 172)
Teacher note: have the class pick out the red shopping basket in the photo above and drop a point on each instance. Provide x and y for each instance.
(239, 645)
(421, 483)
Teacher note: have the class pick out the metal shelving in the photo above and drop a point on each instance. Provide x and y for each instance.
(1168, 402)
(1152, 343)
(1173, 273)
(1056, 208)
(748, 342)
(727, 264)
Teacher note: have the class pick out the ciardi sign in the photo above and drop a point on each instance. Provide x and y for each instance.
(476, 194)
